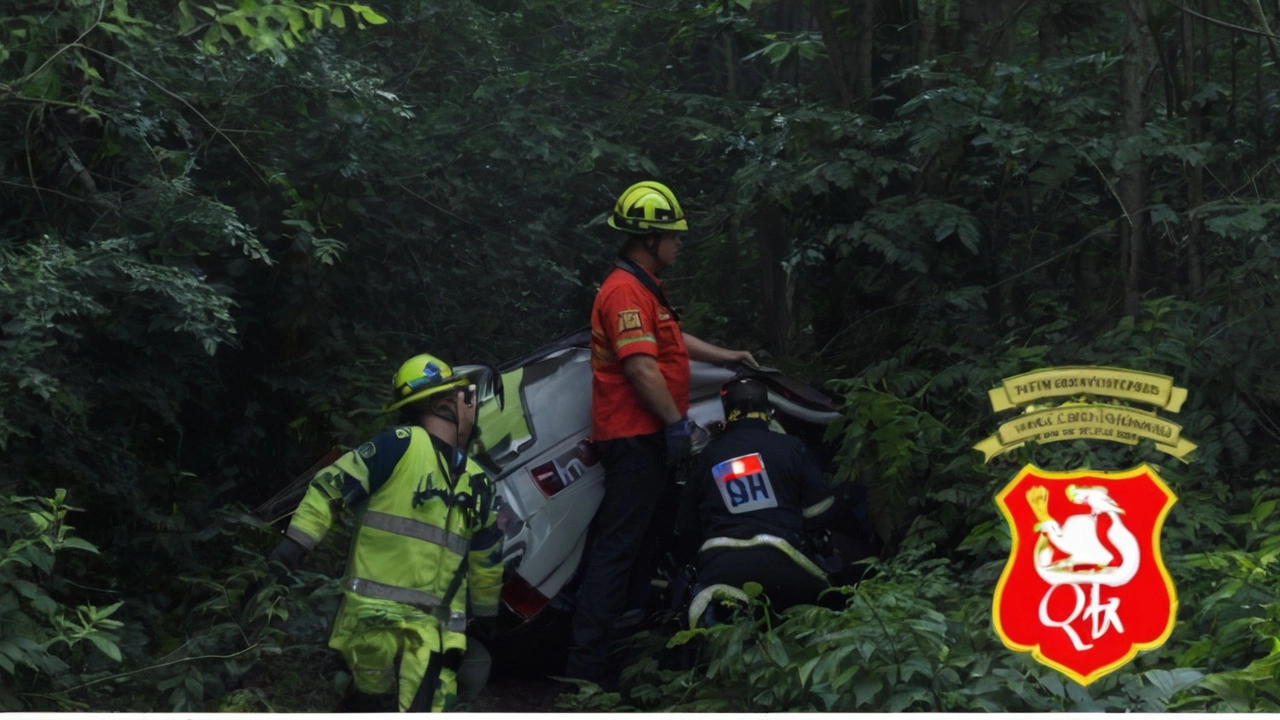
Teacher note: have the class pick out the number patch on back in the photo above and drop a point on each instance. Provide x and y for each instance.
(744, 484)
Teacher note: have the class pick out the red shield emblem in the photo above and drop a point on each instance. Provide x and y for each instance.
(1085, 587)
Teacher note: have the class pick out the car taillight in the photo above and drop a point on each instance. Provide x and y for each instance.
(547, 478)
(522, 598)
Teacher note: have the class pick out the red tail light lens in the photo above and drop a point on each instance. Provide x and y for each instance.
(521, 597)
(547, 478)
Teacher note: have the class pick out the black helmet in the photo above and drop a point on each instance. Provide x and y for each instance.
(742, 396)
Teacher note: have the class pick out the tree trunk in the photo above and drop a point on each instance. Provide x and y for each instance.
(866, 51)
(1260, 17)
(1132, 189)
(771, 236)
(985, 28)
(835, 51)
(1047, 33)
(1194, 129)
(730, 66)
(926, 41)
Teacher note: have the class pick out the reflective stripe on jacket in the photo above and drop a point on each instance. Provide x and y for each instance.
(765, 540)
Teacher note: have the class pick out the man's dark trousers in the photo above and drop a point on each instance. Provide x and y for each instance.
(635, 479)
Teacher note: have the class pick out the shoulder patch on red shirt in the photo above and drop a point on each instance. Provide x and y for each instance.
(629, 320)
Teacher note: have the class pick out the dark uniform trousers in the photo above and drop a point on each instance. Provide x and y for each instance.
(784, 582)
(636, 478)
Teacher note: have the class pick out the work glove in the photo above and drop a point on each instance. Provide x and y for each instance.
(698, 438)
(679, 442)
(287, 553)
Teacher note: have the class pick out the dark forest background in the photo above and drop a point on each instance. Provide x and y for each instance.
(223, 224)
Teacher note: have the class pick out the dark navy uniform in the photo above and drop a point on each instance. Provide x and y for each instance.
(751, 497)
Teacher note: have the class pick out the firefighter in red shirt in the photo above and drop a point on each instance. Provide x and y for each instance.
(639, 400)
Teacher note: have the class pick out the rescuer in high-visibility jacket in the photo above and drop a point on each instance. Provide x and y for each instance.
(427, 550)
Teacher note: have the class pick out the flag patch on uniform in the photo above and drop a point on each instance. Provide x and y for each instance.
(738, 467)
(629, 320)
(744, 484)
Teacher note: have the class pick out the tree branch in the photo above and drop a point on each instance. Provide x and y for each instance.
(217, 130)
(1220, 23)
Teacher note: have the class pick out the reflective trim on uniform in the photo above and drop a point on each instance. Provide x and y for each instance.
(762, 540)
(453, 620)
(818, 508)
(369, 588)
(456, 622)
(419, 530)
(639, 338)
(301, 538)
(713, 592)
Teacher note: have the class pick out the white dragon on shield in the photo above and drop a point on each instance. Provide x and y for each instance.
(1088, 561)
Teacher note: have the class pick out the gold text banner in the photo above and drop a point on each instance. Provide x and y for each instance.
(1067, 381)
(1088, 422)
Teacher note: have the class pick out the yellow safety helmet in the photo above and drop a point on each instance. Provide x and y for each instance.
(422, 376)
(648, 207)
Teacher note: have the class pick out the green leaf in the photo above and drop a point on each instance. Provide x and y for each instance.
(943, 231)
(211, 38)
(107, 647)
(367, 14)
(338, 18)
(774, 649)
(186, 21)
(297, 20)
(108, 611)
(898, 702)
(46, 84)
(777, 52)
(1163, 213)
(75, 543)
(865, 689)
(1053, 683)
(40, 600)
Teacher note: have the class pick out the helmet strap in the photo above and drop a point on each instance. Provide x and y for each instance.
(651, 244)
(451, 416)
(448, 416)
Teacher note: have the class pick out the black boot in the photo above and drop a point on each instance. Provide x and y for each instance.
(358, 702)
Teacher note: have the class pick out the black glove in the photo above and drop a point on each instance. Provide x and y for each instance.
(484, 628)
(679, 443)
(288, 553)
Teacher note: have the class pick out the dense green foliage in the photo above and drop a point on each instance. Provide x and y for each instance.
(223, 223)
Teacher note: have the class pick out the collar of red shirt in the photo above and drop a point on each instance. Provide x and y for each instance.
(621, 259)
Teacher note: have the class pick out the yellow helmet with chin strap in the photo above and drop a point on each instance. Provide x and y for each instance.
(648, 207)
(422, 376)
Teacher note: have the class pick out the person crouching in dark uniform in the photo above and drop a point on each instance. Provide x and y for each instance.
(751, 501)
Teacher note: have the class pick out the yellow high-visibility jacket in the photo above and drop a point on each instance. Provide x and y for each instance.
(427, 535)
